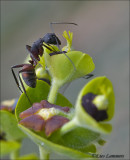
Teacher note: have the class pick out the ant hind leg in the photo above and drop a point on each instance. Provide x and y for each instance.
(15, 78)
(24, 89)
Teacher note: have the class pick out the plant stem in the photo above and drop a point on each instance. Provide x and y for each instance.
(14, 155)
(44, 154)
(68, 126)
(53, 92)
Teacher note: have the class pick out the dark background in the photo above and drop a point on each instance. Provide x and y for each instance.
(102, 32)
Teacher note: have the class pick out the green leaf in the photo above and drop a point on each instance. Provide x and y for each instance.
(98, 86)
(101, 142)
(53, 147)
(6, 147)
(28, 157)
(76, 145)
(8, 124)
(80, 139)
(36, 95)
(62, 70)
(89, 149)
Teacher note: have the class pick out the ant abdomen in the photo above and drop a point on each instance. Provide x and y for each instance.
(29, 75)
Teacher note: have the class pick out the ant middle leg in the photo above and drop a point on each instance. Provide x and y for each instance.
(55, 52)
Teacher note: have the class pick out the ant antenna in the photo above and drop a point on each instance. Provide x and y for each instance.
(60, 23)
(51, 23)
(57, 40)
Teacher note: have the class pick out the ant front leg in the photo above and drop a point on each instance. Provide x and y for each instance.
(46, 45)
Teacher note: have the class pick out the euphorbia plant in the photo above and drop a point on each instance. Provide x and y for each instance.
(10, 135)
(52, 122)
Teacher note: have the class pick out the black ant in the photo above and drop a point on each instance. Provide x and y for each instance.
(28, 70)
(37, 49)
(49, 38)
(28, 73)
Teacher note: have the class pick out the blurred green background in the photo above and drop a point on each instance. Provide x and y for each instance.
(102, 32)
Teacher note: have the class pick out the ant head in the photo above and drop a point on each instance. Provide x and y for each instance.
(51, 38)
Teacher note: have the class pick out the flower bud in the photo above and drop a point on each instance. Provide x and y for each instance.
(95, 105)
(9, 105)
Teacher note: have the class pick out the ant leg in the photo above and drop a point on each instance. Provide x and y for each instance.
(69, 60)
(16, 80)
(29, 49)
(57, 40)
(88, 76)
(52, 48)
(24, 87)
(63, 53)
(47, 47)
(45, 80)
(51, 23)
